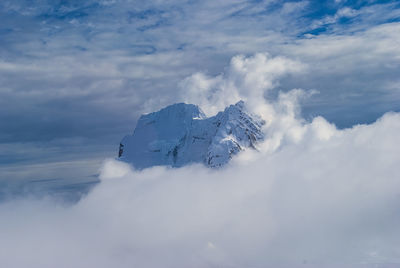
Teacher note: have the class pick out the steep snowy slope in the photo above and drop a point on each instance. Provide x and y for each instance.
(181, 134)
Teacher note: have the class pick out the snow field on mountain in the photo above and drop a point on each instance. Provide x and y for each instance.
(181, 134)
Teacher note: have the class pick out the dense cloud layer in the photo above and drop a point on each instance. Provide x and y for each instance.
(312, 196)
(330, 197)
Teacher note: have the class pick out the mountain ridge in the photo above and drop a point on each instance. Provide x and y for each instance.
(181, 134)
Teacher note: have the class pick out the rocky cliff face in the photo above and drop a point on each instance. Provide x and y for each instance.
(181, 134)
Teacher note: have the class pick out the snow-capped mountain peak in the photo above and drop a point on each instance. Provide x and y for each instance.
(181, 134)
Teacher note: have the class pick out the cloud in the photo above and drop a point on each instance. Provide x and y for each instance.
(313, 196)
(329, 197)
(74, 77)
(354, 69)
(246, 78)
(113, 59)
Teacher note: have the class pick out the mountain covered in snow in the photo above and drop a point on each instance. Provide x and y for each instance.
(181, 134)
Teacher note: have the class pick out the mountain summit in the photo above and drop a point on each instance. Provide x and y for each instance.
(181, 134)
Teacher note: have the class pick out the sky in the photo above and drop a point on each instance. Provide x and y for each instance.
(76, 75)
(322, 191)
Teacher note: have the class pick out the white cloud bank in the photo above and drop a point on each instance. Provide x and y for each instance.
(246, 78)
(314, 196)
